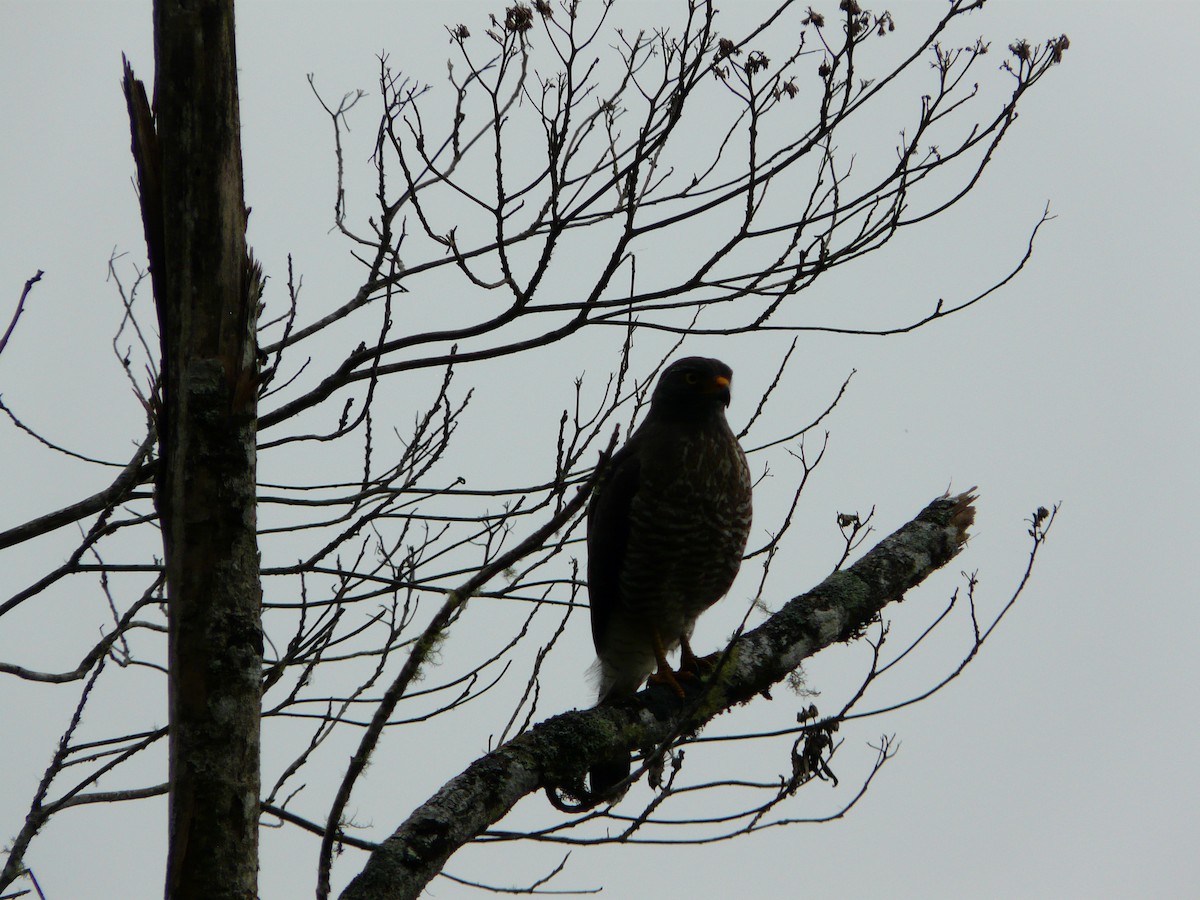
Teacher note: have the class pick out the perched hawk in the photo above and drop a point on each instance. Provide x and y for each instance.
(667, 526)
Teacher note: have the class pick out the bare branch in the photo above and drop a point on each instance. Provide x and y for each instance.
(433, 633)
(29, 283)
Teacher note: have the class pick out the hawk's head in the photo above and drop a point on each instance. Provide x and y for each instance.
(692, 388)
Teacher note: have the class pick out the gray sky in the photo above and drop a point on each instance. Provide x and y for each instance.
(1061, 763)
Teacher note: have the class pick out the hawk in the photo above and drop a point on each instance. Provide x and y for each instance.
(667, 526)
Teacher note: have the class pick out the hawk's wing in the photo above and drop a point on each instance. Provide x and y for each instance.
(608, 535)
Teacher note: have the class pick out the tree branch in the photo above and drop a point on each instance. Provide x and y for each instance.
(557, 752)
(139, 470)
(29, 283)
(434, 633)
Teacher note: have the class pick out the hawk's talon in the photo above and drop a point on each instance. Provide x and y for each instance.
(664, 674)
(695, 666)
(670, 679)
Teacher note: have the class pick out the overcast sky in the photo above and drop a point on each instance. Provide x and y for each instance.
(1062, 764)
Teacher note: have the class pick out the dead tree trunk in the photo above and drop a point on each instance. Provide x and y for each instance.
(206, 292)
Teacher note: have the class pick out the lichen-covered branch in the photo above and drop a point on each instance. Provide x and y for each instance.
(554, 754)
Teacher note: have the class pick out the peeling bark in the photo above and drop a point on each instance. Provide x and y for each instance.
(556, 752)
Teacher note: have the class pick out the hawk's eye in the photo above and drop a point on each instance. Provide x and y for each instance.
(691, 378)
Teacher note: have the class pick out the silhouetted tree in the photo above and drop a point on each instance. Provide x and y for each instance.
(679, 182)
